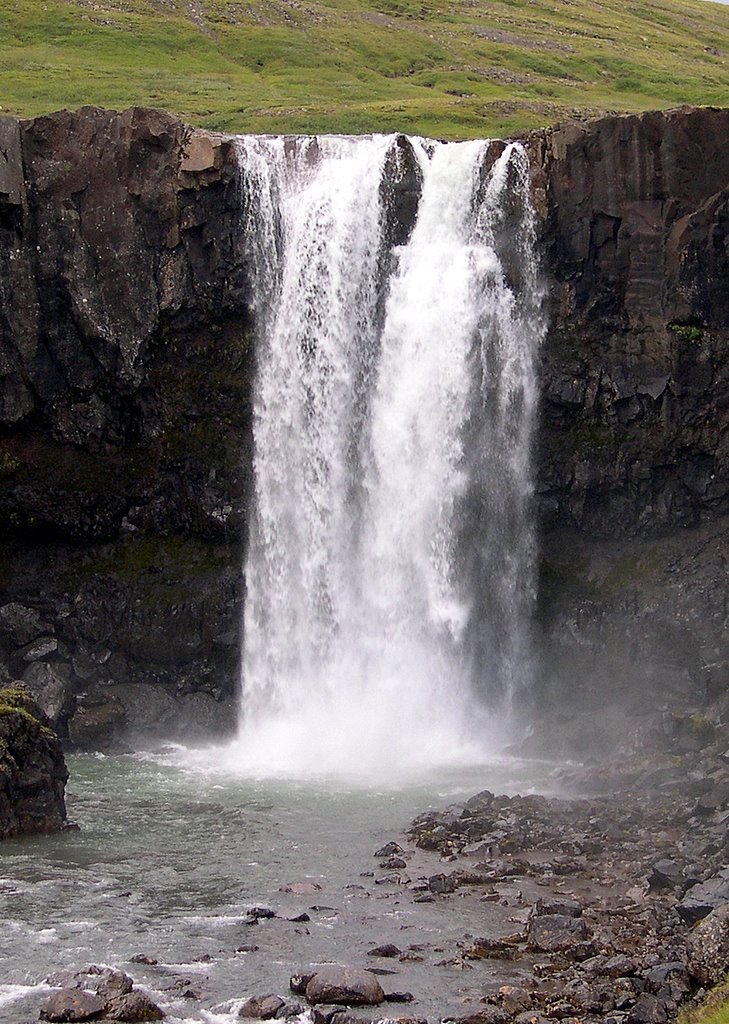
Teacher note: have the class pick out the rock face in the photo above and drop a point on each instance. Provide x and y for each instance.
(633, 463)
(125, 416)
(32, 768)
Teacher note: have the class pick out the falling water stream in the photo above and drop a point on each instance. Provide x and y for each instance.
(389, 572)
(389, 583)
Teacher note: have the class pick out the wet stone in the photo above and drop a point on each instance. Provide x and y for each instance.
(261, 1007)
(442, 883)
(390, 849)
(388, 950)
(348, 986)
(133, 1006)
(551, 933)
(72, 1004)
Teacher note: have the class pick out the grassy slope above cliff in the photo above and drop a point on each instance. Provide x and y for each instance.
(450, 68)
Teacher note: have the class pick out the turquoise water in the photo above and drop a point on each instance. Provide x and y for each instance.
(168, 861)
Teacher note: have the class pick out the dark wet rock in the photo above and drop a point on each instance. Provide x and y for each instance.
(393, 862)
(650, 1009)
(133, 1006)
(399, 997)
(557, 905)
(666, 874)
(443, 883)
(390, 849)
(48, 684)
(72, 1004)
(33, 771)
(301, 918)
(490, 949)
(708, 948)
(552, 933)
(107, 982)
(262, 913)
(701, 899)
(261, 1007)
(298, 982)
(669, 981)
(388, 950)
(348, 986)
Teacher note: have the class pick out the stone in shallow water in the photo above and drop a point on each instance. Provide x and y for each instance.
(389, 850)
(346, 986)
(133, 1006)
(388, 950)
(72, 1004)
(261, 1007)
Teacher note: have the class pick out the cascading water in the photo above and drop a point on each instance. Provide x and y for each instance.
(389, 570)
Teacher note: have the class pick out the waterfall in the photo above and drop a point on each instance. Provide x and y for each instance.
(389, 573)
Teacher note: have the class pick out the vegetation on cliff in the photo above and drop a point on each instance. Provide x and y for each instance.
(32, 768)
(450, 68)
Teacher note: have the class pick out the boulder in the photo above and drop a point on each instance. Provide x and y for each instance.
(552, 933)
(48, 685)
(701, 899)
(665, 874)
(72, 1004)
(133, 1006)
(345, 986)
(708, 948)
(21, 625)
(261, 1007)
(388, 950)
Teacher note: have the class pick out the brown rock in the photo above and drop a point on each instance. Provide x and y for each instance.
(72, 1004)
(346, 986)
(133, 1006)
(261, 1007)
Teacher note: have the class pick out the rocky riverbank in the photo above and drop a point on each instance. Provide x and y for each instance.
(607, 903)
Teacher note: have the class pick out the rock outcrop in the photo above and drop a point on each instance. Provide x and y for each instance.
(125, 415)
(32, 768)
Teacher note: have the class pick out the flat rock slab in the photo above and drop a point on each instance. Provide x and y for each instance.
(345, 986)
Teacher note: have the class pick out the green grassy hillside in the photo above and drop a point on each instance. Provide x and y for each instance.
(450, 68)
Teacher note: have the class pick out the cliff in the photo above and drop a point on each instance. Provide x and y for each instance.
(125, 371)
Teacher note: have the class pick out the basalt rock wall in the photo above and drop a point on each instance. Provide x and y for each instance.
(633, 448)
(125, 371)
(125, 423)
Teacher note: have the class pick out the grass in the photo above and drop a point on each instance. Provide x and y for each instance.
(714, 1010)
(449, 68)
